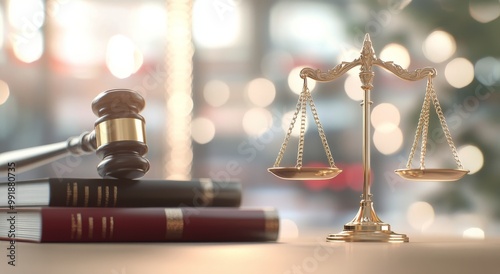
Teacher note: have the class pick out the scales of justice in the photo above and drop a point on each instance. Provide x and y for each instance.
(366, 225)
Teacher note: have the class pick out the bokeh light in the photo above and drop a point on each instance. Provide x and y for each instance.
(420, 215)
(484, 11)
(384, 115)
(439, 46)
(178, 61)
(352, 86)
(261, 92)
(471, 157)
(388, 139)
(256, 121)
(74, 15)
(459, 72)
(182, 104)
(151, 21)
(215, 24)
(307, 26)
(348, 55)
(122, 57)
(296, 83)
(2, 28)
(396, 53)
(487, 71)
(29, 50)
(202, 130)
(216, 93)
(4, 92)
(475, 233)
(75, 41)
(77, 48)
(26, 15)
(288, 229)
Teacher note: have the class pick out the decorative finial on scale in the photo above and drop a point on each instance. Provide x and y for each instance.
(367, 59)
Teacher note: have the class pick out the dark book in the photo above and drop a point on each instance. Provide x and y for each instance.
(79, 192)
(70, 224)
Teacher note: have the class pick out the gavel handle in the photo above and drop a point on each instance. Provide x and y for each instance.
(29, 158)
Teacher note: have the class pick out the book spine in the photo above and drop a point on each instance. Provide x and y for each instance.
(79, 192)
(158, 225)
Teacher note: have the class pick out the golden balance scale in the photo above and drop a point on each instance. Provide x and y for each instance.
(366, 225)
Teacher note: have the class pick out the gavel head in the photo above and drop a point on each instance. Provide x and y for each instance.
(120, 134)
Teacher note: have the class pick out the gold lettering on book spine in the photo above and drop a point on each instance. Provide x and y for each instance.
(115, 195)
(175, 223)
(86, 198)
(68, 194)
(106, 200)
(75, 194)
(79, 228)
(91, 228)
(111, 227)
(99, 196)
(104, 226)
(73, 225)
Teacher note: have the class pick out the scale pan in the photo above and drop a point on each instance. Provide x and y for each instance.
(305, 173)
(437, 174)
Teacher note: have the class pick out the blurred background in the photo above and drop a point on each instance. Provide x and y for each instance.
(221, 82)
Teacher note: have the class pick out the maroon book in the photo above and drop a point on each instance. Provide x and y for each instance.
(189, 224)
(81, 192)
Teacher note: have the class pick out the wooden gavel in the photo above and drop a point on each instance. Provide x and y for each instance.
(118, 138)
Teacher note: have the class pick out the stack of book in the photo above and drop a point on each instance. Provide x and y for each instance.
(113, 210)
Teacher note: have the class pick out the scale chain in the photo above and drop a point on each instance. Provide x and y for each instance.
(304, 98)
(446, 130)
(288, 133)
(423, 124)
(303, 101)
(321, 131)
(418, 132)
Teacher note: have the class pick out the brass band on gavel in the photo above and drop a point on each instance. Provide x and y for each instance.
(120, 129)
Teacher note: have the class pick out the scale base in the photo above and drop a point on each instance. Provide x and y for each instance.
(381, 236)
(367, 227)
